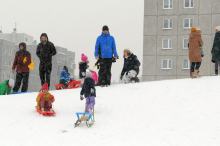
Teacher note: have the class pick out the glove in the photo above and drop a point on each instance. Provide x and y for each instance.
(81, 97)
(92, 91)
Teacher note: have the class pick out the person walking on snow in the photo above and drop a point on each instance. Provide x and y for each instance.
(20, 65)
(65, 76)
(131, 67)
(89, 93)
(195, 51)
(83, 66)
(45, 51)
(6, 86)
(105, 53)
(216, 50)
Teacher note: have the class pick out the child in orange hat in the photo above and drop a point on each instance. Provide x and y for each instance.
(45, 99)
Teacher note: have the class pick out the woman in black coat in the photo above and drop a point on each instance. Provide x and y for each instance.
(216, 50)
(131, 67)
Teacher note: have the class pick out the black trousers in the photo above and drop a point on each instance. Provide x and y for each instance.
(217, 65)
(195, 66)
(21, 78)
(45, 72)
(105, 72)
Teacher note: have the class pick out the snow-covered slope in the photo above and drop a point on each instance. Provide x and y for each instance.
(164, 113)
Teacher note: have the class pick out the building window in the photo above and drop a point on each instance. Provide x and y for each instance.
(166, 64)
(187, 23)
(167, 4)
(167, 44)
(188, 3)
(185, 43)
(186, 64)
(167, 23)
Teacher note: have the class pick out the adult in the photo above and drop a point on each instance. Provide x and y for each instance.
(21, 62)
(216, 50)
(195, 51)
(45, 51)
(131, 66)
(105, 53)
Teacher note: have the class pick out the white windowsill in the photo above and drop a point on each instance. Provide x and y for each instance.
(167, 48)
(166, 68)
(167, 28)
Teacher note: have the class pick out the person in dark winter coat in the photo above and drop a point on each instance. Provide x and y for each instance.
(216, 50)
(105, 53)
(20, 65)
(65, 76)
(83, 66)
(89, 92)
(130, 68)
(45, 51)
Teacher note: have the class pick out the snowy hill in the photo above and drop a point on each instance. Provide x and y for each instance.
(164, 113)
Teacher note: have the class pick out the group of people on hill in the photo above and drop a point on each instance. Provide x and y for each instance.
(105, 54)
(196, 52)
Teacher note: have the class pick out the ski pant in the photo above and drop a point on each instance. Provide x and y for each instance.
(45, 72)
(130, 76)
(195, 66)
(217, 65)
(90, 103)
(105, 72)
(21, 78)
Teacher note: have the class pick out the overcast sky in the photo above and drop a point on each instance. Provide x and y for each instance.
(75, 24)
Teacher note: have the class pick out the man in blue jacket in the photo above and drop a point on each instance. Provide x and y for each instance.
(105, 53)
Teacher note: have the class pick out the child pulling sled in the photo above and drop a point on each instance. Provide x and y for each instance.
(88, 92)
(44, 101)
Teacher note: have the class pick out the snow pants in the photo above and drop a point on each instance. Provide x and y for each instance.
(90, 103)
(130, 77)
(105, 72)
(21, 78)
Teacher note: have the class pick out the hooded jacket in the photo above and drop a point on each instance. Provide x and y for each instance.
(65, 75)
(131, 63)
(105, 47)
(21, 61)
(88, 88)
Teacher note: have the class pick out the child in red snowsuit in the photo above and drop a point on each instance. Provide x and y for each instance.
(45, 99)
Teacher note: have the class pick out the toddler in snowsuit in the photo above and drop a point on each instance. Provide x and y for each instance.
(6, 86)
(131, 66)
(83, 66)
(89, 92)
(45, 99)
(65, 76)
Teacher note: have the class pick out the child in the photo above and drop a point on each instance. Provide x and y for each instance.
(21, 62)
(89, 92)
(83, 66)
(130, 68)
(6, 86)
(65, 76)
(45, 99)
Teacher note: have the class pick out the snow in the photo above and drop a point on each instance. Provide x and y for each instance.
(164, 113)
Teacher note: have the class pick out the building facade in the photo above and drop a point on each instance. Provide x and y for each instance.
(167, 26)
(8, 47)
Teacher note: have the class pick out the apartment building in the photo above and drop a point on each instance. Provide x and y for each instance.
(167, 26)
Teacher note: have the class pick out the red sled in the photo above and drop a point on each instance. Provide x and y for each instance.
(71, 85)
(46, 113)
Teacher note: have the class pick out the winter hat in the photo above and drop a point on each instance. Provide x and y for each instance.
(84, 58)
(11, 83)
(65, 68)
(217, 28)
(105, 28)
(45, 87)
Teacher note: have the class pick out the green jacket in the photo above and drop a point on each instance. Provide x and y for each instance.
(4, 88)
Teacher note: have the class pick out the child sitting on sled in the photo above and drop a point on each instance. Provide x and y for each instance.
(45, 99)
(65, 76)
(88, 92)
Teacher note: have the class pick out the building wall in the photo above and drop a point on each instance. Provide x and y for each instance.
(205, 14)
(8, 50)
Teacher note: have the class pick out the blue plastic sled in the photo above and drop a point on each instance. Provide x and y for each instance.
(81, 118)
